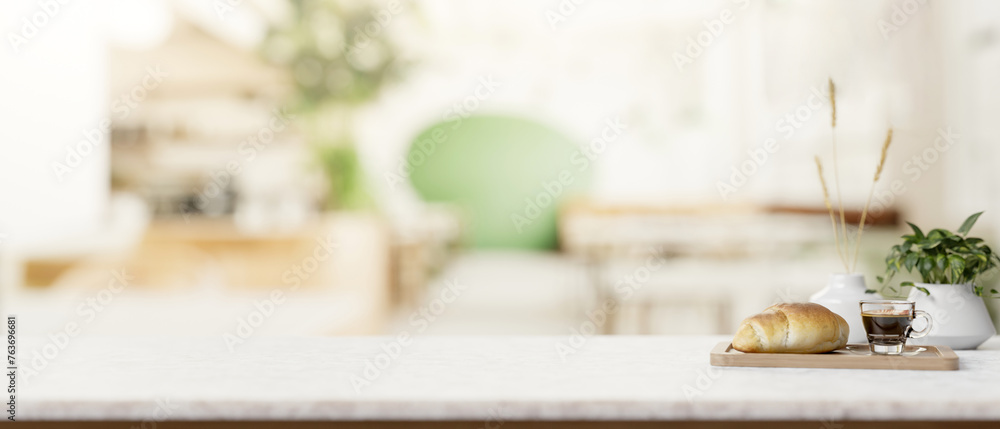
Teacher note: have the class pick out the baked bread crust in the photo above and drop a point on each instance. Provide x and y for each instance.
(792, 328)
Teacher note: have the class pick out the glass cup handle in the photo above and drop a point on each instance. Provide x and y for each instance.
(922, 332)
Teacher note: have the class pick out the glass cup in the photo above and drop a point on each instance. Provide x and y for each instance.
(889, 323)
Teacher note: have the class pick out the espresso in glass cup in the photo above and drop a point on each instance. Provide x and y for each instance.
(889, 323)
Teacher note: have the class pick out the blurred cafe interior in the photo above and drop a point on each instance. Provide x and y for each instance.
(194, 168)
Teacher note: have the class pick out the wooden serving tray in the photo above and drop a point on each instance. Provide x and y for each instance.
(854, 356)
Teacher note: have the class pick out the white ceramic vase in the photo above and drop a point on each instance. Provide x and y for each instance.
(959, 317)
(841, 295)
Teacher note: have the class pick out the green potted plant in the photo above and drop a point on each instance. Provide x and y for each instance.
(949, 265)
(340, 56)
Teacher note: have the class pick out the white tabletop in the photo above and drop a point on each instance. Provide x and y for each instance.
(480, 378)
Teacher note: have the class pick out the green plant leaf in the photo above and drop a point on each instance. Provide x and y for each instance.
(880, 279)
(873, 291)
(956, 263)
(971, 261)
(923, 289)
(926, 265)
(941, 256)
(906, 284)
(967, 225)
(910, 261)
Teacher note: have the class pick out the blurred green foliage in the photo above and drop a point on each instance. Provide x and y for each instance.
(340, 56)
(508, 175)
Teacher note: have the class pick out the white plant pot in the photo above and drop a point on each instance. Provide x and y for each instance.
(959, 317)
(841, 295)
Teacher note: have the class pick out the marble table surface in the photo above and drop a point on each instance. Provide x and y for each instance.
(475, 378)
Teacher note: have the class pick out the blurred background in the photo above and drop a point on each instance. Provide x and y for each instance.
(242, 168)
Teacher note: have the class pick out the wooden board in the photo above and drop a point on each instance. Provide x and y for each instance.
(854, 356)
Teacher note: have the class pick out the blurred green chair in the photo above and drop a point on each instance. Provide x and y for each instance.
(508, 175)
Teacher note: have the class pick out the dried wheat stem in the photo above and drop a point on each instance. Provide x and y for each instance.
(864, 213)
(836, 170)
(833, 103)
(829, 208)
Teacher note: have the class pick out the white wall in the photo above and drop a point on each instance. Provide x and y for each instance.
(972, 65)
(687, 127)
(53, 89)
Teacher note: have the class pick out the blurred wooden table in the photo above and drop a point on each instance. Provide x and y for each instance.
(709, 255)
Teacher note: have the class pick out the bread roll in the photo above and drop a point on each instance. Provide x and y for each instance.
(792, 328)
